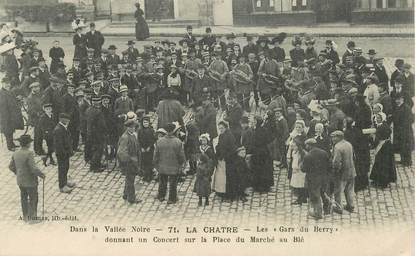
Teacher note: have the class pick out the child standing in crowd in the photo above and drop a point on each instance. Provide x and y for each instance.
(203, 178)
(297, 181)
(147, 138)
(46, 125)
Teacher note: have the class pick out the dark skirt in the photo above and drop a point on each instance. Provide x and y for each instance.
(384, 170)
(141, 29)
(262, 169)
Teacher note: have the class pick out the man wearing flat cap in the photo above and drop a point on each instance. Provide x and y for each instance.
(168, 160)
(23, 165)
(316, 166)
(344, 172)
(28, 80)
(63, 150)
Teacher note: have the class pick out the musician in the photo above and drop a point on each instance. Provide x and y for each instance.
(277, 53)
(174, 80)
(268, 73)
(262, 44)
(297, 54)
(250, 47)
(208, 39)
(190, 69)
(242, 76)
(218, 71)
(150, 84)
(200, 83)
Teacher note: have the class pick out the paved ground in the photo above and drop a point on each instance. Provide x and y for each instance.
(97, 198)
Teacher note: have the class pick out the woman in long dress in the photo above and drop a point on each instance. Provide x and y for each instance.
(262, 167)
(141, 27)
(383, 170)
(225, 154)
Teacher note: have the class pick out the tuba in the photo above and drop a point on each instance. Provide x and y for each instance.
(240, 77)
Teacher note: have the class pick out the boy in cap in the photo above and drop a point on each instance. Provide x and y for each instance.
(34, 110)
(63, 150)
(147, 138)
(46, 125)
(23, 165)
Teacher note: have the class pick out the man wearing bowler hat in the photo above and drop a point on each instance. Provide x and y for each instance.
(113, 58)
(132, 52)
(128, 156)
(23, 165)
(94, 40)
(96, 130)
(63, 150)
(371, 54)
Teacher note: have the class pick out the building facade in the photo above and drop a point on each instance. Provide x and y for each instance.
(293, 12)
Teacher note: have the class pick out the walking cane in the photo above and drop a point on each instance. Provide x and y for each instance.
(43, 198)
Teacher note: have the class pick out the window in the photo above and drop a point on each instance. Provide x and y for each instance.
(379, 4)
(392, 4)
(298, 5)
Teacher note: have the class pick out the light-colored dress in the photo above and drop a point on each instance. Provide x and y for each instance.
(298, 177)
(219, 175)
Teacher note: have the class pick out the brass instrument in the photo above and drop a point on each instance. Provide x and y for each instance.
(271, 80)
(240, 77)
(216, 76)
(191, 74)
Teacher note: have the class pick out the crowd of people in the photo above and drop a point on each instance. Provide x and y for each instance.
(234, 114)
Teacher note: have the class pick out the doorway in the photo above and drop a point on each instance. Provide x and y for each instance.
(159, 9)
(333, 10)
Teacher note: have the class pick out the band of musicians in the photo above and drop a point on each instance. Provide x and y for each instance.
(228, 115)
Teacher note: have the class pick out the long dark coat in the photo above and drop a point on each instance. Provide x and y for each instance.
(204, 173)
(403, 138)
(141, 28)
(128, 154)
(79, 41)
(11, 117)
(262, 166)
(226, 150)
(207, 123)
(384, 169)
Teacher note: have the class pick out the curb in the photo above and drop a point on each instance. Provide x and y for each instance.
(167, 34)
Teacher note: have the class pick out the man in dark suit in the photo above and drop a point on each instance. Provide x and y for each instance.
(94, 40)
(112, 58)
(380, 71)
(79, 41)
(63, 150)
(70, 107)
(189, 37)
(250, 47)
(23, 165)
(399, 70)
(199, 84)
(403, 136)
(11, 118)
(316, 166)
(132, 52)
(128, 156)
(96, 130)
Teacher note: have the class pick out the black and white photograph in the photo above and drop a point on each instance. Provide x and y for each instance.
(216, 127)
